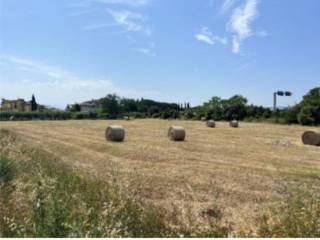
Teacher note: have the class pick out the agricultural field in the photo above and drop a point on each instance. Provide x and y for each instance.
(242, 171)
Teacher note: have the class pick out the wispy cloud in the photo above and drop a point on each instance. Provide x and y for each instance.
(240, 22)
(208, 37)
(133, 3)
(89, 3)
(35, 67)
(89, 27)
(146, 51)
(55, 85)
(81, 12)
(149, 50)
(130, 21)
(227, 5)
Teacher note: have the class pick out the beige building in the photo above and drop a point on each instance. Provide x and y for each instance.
(16, 105)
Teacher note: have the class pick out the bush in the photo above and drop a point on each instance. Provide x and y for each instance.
(188, 114)
(8, 170)
(80, 115)
(290, 115)
(308, 115)
(103, 116)
(156, 115)
(36, 115)
(138, 115)
(170, 113)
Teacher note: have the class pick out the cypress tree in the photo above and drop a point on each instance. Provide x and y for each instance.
(34, 104)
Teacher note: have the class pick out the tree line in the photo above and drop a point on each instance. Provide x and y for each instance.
(307, 112)
(113, 107)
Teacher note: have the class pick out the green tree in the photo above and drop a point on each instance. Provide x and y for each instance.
(111, 105)
(312, 97)
(34, 104)
(74, 108)
(307, 115)
(153, 110)
(129, 105)
(235, 107)
(213, 109)
(310, 108)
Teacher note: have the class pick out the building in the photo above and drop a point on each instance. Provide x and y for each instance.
(90, 106)
(16, 105)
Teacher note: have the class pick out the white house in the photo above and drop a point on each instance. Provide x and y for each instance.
(90, 106)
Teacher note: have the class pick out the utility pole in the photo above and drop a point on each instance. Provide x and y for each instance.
(279, 93)
(275, 101)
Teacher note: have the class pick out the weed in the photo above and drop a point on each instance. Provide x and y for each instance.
(299, 216)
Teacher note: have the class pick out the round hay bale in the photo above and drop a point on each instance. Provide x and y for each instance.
(234, 124)
(12, 118)
(127, 118)
(115, 133)
(211, 124)
(176, 133)
(311, 138)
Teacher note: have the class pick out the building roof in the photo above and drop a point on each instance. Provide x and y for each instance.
(17, 100)
(93, 103)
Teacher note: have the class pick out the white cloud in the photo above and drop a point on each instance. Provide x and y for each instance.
(146, 51)
(55, 85)
(81, 12)
(240, 22)
(235, 45)
(89, 27)
(149, 50)
(133, 3)
(227, 5)
(34, 66)
(206, 36)
(262, 33)
(89, 3)
(130, 21)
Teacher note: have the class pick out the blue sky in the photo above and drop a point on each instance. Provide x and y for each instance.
(69, 51)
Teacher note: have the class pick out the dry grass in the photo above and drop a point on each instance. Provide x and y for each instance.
(241, 170)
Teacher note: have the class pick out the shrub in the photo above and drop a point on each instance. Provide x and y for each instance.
(103, 116)
(307, 115)
(138, 115)
(42, 115)
(170, 113)
(156, 115)
(290, 115)
(80, 115)
(188, 114)
(8, 170)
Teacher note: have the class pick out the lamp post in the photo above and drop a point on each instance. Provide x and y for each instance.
(282, 94)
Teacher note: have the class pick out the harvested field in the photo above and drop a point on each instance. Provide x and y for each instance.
(242, 170)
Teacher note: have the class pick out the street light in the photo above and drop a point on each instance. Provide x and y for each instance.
(282, 94)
